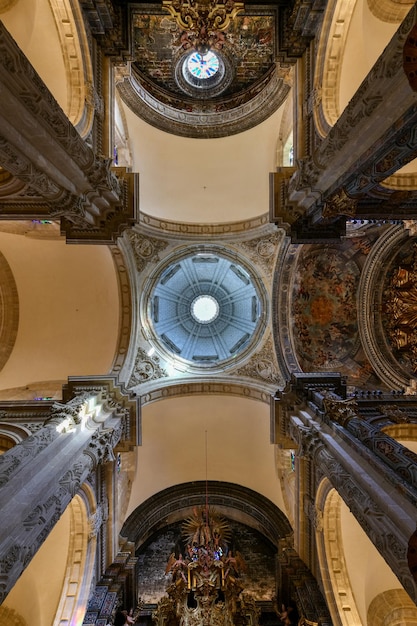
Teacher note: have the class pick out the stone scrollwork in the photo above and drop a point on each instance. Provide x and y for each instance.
(395, 413)
(146, 368)
(145, 248)
(307, 439)
(262, 365)
(102, 445)
(263, 250)
(340, 411)
(340, 203)
(98, 518)
(314, 514)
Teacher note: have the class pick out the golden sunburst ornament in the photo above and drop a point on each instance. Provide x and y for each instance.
(206, 528)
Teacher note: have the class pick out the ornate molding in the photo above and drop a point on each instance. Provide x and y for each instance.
(340, 411)
(381, 91)
(208, 124)
(146, 249)
(147, 368)
(382, 530)
(81, 433)
(176, 503)
(385, 368)
(94, 202)
(263, 251)
(183, 230)
(340, 203)
(262, 365)
(218, 387)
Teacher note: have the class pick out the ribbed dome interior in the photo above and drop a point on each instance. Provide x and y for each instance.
(205, 308)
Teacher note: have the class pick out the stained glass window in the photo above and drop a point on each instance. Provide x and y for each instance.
(203, 66)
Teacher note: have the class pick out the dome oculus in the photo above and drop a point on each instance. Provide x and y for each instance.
(203, 66)
(203, 75)
(204, 309)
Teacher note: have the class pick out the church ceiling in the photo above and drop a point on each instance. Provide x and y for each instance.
(233, 85)
(353, 307)
(202, 310)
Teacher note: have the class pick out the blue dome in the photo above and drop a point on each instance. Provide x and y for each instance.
(205, 308)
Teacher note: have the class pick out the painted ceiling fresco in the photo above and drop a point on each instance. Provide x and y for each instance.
(159, 43)
(325, 296)
(249, 84)
(326, 333)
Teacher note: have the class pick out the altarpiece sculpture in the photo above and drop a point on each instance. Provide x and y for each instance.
(207, 585)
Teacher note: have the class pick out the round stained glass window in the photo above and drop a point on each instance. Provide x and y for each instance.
(203, 66)
(203, 75)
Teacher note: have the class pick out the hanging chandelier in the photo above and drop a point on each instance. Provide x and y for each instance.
(203, 21)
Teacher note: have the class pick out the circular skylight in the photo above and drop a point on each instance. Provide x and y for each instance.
(205, 308)
(203, 75)
(203, 66)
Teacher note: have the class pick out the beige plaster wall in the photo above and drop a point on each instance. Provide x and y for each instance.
(28, 21)
(368, 572)
(204, 180)
(173, 447)
(68, 298)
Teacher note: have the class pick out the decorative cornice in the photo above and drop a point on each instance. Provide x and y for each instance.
(184, 230)
(94, 201)
(229, 387)
(208, 124)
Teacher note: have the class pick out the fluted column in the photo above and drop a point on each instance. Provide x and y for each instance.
(40, 475)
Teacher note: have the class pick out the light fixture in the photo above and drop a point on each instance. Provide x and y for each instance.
(203, 21)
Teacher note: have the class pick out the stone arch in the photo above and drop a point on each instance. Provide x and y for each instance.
(9, 311)
(235, 501)
(12, 434)
(336, 583)
(390, 10)
(392, 608)
(329, 63)
(369, 316)
(80, 561)
(245, 389)
(401, 432)
(75, 51)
